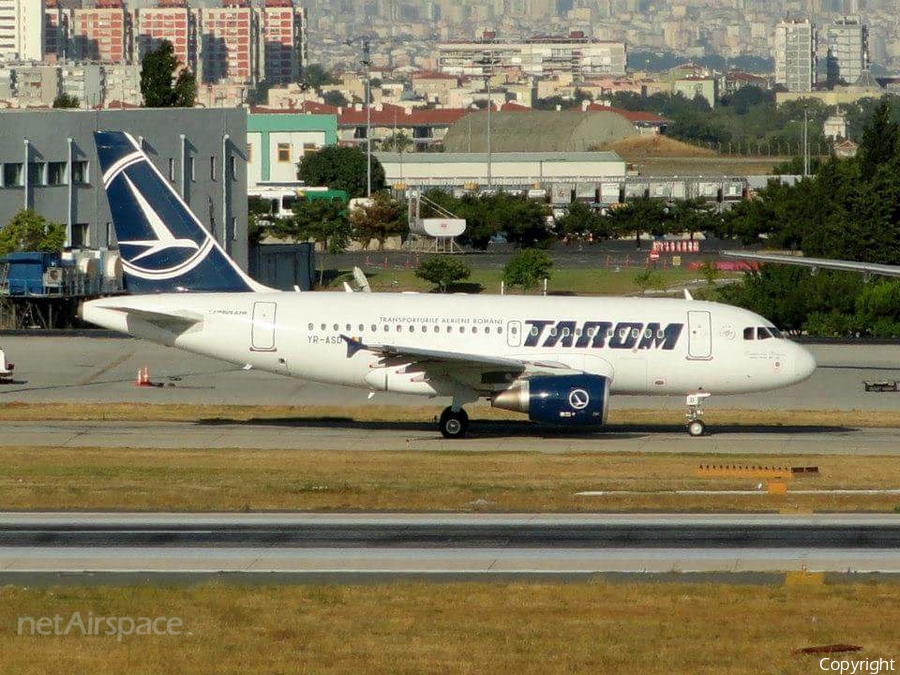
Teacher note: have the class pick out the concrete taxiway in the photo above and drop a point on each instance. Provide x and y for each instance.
(424, 544)
(337, 434)
(102, 369)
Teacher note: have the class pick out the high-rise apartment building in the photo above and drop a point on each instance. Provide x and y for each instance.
(56, 31)
(795, 55)
(101, 33)
(847, 41)
(282, 41)
(21, 30)
(170, 20)
(228, 37)
(540, 55)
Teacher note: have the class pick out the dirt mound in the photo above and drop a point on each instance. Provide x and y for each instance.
(636, 147)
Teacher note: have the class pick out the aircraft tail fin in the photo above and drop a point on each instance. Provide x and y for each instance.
(164, 247)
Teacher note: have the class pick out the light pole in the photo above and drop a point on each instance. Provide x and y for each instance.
(488, 67)
(367, 63)
(805, 142)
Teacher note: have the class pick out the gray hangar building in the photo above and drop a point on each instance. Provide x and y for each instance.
(48, 162)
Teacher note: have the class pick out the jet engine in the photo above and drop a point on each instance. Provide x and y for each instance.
(577, 400)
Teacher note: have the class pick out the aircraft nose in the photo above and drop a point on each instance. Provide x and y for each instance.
(804, 363)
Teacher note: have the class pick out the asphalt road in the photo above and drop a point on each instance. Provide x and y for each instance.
(398, 544)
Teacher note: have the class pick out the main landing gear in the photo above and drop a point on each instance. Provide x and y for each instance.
(454, 423)
(695, 426)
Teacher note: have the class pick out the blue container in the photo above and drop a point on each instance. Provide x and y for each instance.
(26, 271)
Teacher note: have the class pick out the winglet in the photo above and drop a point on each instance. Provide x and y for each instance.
(687, 295)
(353, 345)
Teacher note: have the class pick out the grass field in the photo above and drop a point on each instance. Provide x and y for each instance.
(646, 629)
(142, 412)
(256, 480)
(595, 281)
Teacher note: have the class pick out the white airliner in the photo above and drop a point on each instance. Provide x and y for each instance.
(557, 359)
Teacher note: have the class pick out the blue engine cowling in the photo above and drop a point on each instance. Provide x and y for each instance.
(577, 400)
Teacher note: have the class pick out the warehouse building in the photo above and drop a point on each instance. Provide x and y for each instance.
(48, 162)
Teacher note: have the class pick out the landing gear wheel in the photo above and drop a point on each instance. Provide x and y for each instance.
(454, 423)
(696, 428)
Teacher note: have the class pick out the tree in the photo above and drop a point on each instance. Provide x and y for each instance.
(378, 220)
(66, 101)
(335, 98)
(30, 231)
(160, 86)
(443, 271)
(641, 215)
(340, 168)
(879, 141)
(582, 221)
(691, 215)
(314, 76)
(397, 142)
(320, 220)
(527, 268)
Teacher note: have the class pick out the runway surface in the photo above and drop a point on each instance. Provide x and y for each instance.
(339, 434)
(400, 544)
(51, 369)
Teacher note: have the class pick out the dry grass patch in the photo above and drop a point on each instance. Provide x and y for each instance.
(150, 412)
(241, 480)
(647, 629)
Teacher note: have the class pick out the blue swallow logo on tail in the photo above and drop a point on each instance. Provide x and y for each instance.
(164, 246)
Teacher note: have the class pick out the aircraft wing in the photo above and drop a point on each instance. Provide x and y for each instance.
(479, 361)
(818, 263)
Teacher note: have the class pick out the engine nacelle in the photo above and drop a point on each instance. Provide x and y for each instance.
(578, 400)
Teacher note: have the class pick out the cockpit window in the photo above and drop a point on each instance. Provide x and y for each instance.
(762, 333)
(776, 333)
(748, 333)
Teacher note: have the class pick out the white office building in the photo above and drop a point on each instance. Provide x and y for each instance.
(537, 56)
(795, 55)
(21, 30)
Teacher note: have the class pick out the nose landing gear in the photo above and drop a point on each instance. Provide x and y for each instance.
(695, 426)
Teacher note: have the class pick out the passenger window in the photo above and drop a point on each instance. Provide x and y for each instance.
(462, 329)
(534, 330)
(323, 326)
(648, 333)
(634, 333)
(424, 328)
(500, 331)
(412, 328)
(361, 328)
(565, 332)
(374, 327)
(487, 329)
(335, 326)
(349, 329)
(553, 331)
(660, 333)
(386, 328)
(623, 333)
(437, 329)
(748, 333)
(310, 326)
(610, 332)
(399, 327)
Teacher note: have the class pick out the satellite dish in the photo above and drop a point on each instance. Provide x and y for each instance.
(360, 278)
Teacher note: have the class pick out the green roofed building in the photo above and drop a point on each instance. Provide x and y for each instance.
(277, 141)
